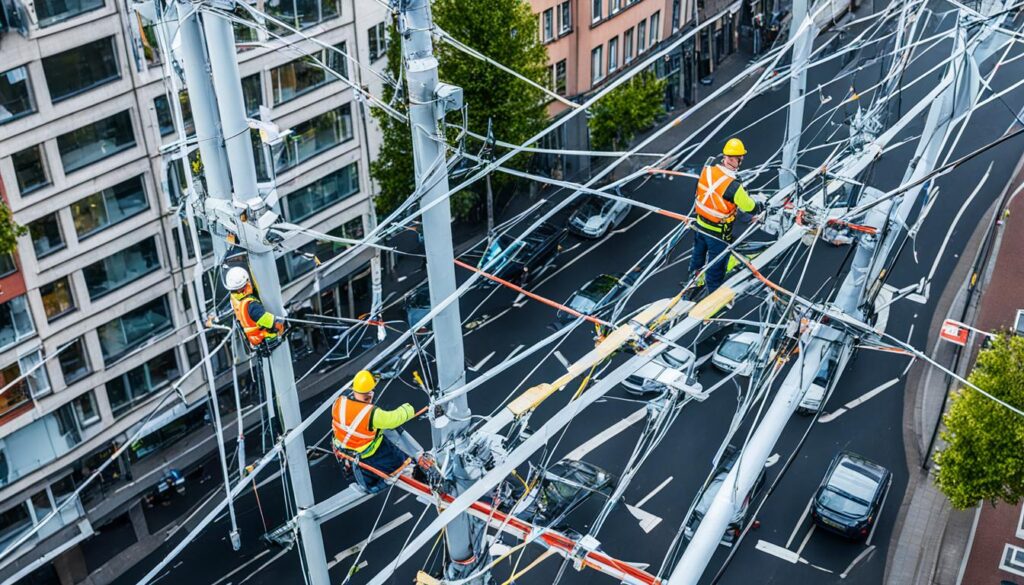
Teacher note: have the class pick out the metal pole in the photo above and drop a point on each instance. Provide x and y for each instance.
(278, 367)
(797, 89)
(206, 126)
(424, 112)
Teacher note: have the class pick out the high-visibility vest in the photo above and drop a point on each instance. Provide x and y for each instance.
(711, 203)
(253, 331)
(351, 423)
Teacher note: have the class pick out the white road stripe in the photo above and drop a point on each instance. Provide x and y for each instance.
(806, 539)
(700, 361)
(514, 352)
(603, 437)
(480, 364)
(799, 523)
(240, 567)
(381, 531)
(654, 492)
(881, 508)
(561, 358)
(858, 401)
(777, 551)
(264, 566)
(853, 564)
(648, 521)
(520, 301)
(401, 278)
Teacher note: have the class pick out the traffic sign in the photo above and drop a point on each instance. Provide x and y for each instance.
(954, 332)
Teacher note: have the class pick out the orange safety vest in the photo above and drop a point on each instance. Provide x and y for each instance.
(252, 330)
(711, 203)
(351, 423)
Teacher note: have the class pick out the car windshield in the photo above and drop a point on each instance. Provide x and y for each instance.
(734, 350)
(499, 253)
(582, 304)
(595, 206)
(850, 489)
(709, 495)
(673, 361)
(599, 287)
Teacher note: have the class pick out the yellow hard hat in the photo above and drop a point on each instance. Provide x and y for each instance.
(363, 382)
(734, 147)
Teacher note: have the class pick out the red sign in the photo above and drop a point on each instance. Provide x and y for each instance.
(954, 332)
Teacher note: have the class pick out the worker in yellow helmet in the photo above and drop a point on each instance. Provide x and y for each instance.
(719, 195)
(358, 426)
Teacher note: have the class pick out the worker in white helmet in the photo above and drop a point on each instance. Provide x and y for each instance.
(258, 324)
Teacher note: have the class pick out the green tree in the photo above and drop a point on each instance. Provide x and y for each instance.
(626, 110)
(504, 30)
(9, 230)
(984, 459)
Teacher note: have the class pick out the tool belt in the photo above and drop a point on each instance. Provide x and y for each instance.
(723, 231)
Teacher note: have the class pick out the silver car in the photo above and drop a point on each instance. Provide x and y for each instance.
(597, 216)
(645, 379)
(736, 352)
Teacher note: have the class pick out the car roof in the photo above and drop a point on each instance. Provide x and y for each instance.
(747, 337)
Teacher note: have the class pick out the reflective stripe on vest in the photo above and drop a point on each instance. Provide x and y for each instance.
(252, 330)
(711, 203)
(352, 424)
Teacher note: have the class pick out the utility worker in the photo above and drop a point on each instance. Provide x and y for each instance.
(357, 427)
(719, 195)
(257, 323)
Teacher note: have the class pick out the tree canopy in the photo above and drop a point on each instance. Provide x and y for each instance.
(984, 459)
(626, 111)
(9, 230)
(505, 31)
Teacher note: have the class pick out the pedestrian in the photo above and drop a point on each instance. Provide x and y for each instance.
(358, 433)
(719, 195)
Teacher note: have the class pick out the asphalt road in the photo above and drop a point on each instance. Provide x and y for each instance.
(672, 476)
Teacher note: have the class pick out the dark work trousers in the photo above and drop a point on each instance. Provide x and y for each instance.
(705, 249)
(388, 459)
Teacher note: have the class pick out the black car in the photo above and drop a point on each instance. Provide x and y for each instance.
(597, 295)
(514, 261)
(417, 305)
(739, 520)
(851, 495)
(562, 489)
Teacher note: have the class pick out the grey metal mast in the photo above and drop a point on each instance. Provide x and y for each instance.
(797, 89)
(428, 102)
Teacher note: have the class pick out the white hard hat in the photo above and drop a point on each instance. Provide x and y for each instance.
(236, 279)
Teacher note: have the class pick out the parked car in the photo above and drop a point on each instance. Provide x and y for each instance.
(597, 216)
(563, 488)
(810, 402)
(514, 261)
(597, 295)
(740, 518)
(736, 351)
(417, 305)
(851, 495)
(645, 379)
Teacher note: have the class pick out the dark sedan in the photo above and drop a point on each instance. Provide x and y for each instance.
(516, 261)
(597, 295)
(851, 495)
(564, 487)
(739, 520)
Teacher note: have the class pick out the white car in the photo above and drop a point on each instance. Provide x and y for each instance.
(645, 379)
(736, 352)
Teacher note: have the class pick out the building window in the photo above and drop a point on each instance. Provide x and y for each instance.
(15, 321)
(121, 268)
(85, 410)
(81, 69)
(564, 17)
(314, 136)
(46, 236)
(7, 265)
(627, 46)
(596, 64)
(74, 362)
(548, 26)
(120, 336)
(613, 54)
(595, 10)
(57, 298)
(1013, 560)
(15, 94)
(17, 394)
(110, 206)
(165, 119)
(676, 14)
(614, 6)
(50, 12)
(323, 193)
(30, 169)
(655, 28)
(96, 141)
(298, 77)
(35, 374)
(252, 92)
(135, 384)
(560, 77)
(15, 521)
(378, 39)
(641, 37)
(301, 13)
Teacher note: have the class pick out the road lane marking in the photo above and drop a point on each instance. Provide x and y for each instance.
(648, 521)
(480, 364)
(603, 437)
(264, 566)
(570, 262)
(777, 551)
(654, 492)
(700, 361)
(514, 352)
(806, 539)
(242, 566)
(488, 321)
(853, 563)
(881, 508)
(401, 278)
(800, 522)
(561, 358)
(858, 401)
(520, 301)
(381, 531)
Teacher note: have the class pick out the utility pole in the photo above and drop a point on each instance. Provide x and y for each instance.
(251, 235)
(488, 155)
(429, 100)
(797, 89)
